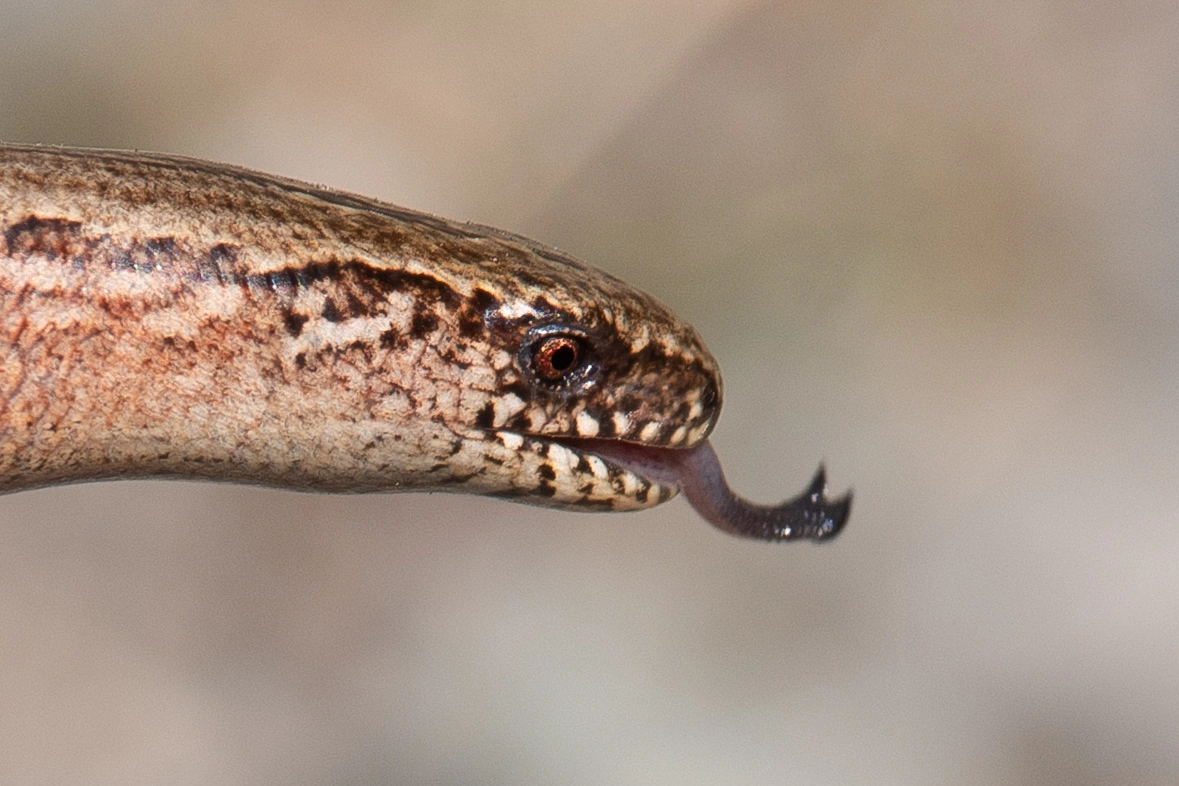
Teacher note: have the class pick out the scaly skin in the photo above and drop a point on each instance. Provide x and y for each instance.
(163, 316)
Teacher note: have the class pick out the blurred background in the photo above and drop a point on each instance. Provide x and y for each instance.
(931, 243)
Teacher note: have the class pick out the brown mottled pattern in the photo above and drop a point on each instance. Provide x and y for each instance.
(163, 316)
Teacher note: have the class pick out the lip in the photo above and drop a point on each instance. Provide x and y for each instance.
(653, 464)
(579, 473)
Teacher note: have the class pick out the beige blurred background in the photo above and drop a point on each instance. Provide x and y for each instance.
(933, 244)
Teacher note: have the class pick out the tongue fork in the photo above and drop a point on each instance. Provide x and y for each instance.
(809, 516)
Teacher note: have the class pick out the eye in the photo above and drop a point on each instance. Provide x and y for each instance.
(557, 358)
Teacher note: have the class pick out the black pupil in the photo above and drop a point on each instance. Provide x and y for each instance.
(563, 358)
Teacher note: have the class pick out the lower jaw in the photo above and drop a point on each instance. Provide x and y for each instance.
(654, 464)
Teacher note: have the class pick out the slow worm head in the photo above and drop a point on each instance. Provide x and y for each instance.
(168, 317)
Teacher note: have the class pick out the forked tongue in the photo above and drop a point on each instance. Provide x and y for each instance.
(698, 474)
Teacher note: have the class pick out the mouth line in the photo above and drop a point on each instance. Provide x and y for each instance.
(654, 464)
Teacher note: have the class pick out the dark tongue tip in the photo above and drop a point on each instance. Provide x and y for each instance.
(809, 516)
(825, 517)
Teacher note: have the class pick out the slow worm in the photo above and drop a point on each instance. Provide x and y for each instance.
(169, 317)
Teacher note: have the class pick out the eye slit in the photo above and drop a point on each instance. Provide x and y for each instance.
(555, 358)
